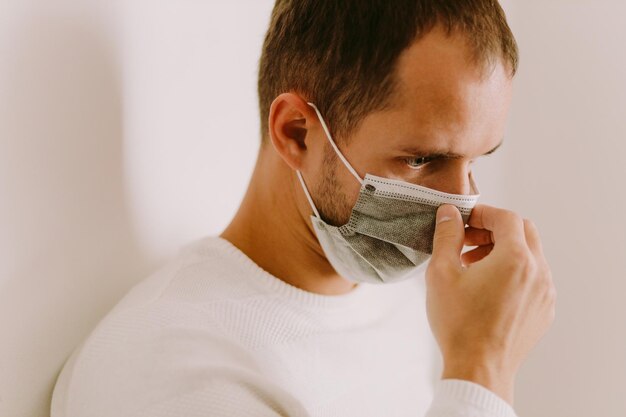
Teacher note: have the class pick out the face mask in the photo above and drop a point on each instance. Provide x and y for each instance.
(391, 227)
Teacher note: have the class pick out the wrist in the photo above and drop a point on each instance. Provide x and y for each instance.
(495, 379)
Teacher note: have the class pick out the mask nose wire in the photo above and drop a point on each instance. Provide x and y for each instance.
(334, 145)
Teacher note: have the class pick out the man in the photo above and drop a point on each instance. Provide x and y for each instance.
(368, 109)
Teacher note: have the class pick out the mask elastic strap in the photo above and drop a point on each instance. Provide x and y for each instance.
(332, 142)
(308, 196)
(473, 186)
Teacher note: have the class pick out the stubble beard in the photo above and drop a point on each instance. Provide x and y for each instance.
(334, 207)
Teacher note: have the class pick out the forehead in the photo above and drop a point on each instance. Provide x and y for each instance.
(444, 92)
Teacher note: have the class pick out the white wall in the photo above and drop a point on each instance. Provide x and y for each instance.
(129, 127)
(67, 248)
(565, 169)
(192, 120)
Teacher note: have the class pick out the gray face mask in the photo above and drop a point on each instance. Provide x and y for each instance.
(391, 228)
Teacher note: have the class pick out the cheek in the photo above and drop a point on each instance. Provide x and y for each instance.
(336, 193)
(339, 180)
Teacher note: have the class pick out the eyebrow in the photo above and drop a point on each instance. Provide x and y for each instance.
(449, 155)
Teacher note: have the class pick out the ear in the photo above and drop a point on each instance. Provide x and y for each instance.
(290, 119)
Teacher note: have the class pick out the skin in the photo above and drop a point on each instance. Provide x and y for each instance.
(451, 111)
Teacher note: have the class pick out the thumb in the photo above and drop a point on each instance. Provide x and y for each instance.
(449, 236)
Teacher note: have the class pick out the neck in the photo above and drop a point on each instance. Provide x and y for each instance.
(272, 227)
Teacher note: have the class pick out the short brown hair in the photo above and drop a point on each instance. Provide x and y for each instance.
(341, 54)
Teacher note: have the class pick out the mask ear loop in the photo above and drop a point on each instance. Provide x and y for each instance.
(473, 186)
(332, 142)
(308, 196)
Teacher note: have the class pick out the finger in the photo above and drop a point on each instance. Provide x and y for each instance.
(477, 237)
(449, 235)
(507, 226)
(476, 255)
(533, 239)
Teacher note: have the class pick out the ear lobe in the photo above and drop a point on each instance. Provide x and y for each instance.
(288, 128)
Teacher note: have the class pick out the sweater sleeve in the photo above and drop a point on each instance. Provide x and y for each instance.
(188, 385)
(134, 368)
(181, 364)
(461, 398)
(226, 392)
(231, 393)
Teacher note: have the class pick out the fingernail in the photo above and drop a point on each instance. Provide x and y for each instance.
(444, 213)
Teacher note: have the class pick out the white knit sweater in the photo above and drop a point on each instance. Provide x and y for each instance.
(212, 334)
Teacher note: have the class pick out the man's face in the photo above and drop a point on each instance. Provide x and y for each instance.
(447, 113)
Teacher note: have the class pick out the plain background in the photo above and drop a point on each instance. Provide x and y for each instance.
(130, 128)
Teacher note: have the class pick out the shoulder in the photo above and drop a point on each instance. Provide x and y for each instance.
(167, 339)
(206, 269)
(150, 362)
(180, 297)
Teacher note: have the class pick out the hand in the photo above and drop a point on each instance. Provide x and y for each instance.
(489, 307)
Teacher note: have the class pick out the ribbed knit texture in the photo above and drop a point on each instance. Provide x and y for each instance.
(213, 334)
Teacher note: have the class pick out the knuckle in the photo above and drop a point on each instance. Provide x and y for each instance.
(549, 284)
(524, 266)
(511, 216)
(523, 260)
(519, 254)
(436, 270)
(529, 225)
(548, 292)
(528, 271)
(545, 272)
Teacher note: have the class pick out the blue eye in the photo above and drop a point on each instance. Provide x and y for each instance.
(415, 163)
